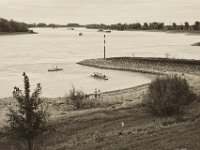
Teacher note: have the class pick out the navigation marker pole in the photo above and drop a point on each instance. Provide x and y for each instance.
(104, 46)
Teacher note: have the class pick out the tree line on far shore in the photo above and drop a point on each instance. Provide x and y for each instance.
(52, 25)
(146, 26)
(12, 26)
(125, 26)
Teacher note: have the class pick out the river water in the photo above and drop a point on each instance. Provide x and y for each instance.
(36, 53)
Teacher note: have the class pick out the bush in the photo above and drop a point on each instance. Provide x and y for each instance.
(167, 95)
(76, 96)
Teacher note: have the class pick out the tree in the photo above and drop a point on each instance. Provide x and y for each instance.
(197, 25)
(168, 95)
(52, 25)
(174, 25)
(187, 25)
(161, 26)
(12, 26)
(5, 26)
(73, 25)
(145, 26)
(41, 25)
(29, 118)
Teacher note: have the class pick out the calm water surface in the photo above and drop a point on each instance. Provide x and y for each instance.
(36, 53)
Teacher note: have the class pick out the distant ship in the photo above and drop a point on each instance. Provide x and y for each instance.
(70, 28)
(55, 69)
(80, 34)
(108, 31)
(101, 30)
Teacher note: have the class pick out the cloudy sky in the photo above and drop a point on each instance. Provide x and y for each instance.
(100, 11)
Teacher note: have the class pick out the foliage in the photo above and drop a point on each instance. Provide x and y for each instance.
(168, 95)
(187, 25)
(53, 25)
(73, 25)
(41, 25)
(196, 25)
(146, 26)
(29, 118)
(76, 96)
(12, 26)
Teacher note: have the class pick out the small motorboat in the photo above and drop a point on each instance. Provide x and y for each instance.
(100, 30)
(70, 28)
(99, 76)
(55, 69)
(196, 44)
(108, 31)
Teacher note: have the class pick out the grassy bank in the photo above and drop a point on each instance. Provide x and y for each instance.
(102, 129)
(59, 108)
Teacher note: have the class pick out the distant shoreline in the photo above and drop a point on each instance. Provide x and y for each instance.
(190, 32)
(16, 33)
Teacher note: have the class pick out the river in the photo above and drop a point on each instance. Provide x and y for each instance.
(36, 53)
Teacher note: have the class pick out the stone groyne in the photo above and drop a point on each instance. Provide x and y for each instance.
(158, 66)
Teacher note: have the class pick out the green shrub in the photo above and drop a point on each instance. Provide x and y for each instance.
(76, 97)
(168, 95)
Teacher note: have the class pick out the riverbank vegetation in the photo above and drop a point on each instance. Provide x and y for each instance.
(12, 26)
(53, 25)
(161, 26)
(167, 96)
(76, 97)
(147, 26)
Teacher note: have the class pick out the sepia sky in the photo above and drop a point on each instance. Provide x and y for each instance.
(100, 11)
